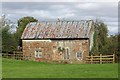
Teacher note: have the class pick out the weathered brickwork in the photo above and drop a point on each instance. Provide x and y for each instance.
(55, 50)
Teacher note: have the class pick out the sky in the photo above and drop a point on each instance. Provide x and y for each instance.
(47, 11)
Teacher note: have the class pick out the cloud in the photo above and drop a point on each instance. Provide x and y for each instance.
(106, 11)
(88, 6)
(57, 6)
(113, 29)
(60, 0)
(99, 9)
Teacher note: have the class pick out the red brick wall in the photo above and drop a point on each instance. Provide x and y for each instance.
(50, 49)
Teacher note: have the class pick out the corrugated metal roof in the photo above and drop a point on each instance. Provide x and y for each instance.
(57, 29)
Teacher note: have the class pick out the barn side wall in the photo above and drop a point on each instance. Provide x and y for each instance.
(51, 49)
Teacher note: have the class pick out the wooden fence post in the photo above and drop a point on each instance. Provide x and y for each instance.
(7, 55)
(14, 55)
(23, 57)
(100, 58)
(113, 58)
(91, 59)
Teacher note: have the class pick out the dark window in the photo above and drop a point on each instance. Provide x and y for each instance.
(79, 55)
(38, 54)
(66, 54)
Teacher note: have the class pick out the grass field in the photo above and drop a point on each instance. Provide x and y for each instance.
(31, 69)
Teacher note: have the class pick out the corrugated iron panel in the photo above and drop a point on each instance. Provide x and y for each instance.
(58, 29)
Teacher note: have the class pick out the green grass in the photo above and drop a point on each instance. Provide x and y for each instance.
(30, 69)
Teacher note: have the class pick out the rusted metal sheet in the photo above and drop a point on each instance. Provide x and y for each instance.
(57, 29)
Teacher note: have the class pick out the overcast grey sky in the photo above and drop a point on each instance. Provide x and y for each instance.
(106, 11)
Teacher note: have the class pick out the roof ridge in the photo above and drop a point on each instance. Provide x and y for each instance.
(64, 21)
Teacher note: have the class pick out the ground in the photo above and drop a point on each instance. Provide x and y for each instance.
(30, 69)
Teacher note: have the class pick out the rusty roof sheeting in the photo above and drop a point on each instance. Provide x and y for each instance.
(57, 29)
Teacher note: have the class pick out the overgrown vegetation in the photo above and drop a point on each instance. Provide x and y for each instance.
(22, 22)
(104, 44)
(10, 40)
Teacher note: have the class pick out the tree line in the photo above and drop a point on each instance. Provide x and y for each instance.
(102, 43)
(12, 40)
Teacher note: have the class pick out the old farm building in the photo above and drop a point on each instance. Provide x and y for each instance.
(58, 41)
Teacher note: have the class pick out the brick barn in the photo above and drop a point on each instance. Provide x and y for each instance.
(58, 40)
